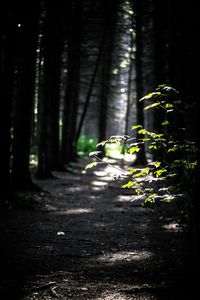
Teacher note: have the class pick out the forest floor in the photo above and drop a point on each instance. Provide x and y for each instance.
(83, 238)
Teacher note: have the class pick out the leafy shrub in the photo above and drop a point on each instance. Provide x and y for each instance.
(168, 178)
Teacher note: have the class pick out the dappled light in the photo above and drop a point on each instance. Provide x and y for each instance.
(76, 211)
(124, 256)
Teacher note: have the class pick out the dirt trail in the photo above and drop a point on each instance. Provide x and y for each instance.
(88, 241)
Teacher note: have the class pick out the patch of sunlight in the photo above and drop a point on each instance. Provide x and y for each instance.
(112, 296)
(76, 211)
(124, 198)
(99, 183)
(172, 227)
(125, 256)
(100, 173)
(33, 161)
(115, 71)
(129, 157)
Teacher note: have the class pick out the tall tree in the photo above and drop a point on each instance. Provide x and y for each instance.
(73, 80)
(23, 105)
(111, 10)
(141, 159)
(49, 88)
(8, 46)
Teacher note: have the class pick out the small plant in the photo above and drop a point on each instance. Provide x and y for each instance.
(168, 177)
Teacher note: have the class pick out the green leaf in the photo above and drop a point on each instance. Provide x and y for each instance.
(155, 163)
(134, 149)
(151, 197)
(150, 95)
(102, 143)
(159, 172)
(169, 105)
(173, 149)
(91, 165)
(165, 123)
(136, 127)
(144, 139)
(146, 170)
(154, 147)
(143, 131)
(138, 191)
(128, 185)
(152, 105)
(132, 171)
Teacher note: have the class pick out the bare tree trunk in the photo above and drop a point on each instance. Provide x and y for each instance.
(73, 81)
(21, 177)
(141, 159)
(8, 45)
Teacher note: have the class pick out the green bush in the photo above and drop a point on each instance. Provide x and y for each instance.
(85, 145)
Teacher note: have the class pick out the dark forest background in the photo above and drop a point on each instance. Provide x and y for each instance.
(76, 69)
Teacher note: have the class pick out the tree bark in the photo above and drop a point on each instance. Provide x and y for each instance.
(21, 177)
(141, 158)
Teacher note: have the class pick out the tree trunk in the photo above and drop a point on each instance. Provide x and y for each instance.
(8, 40)
(141, 159)
(49, 92)
(23, 107)
(72, 86)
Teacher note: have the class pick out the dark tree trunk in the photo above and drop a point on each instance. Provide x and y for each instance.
(8, 45)
(56, 43)
(49, 91)
(23, 107)
(129, 85)
(160, 17)
(111, 9)
(141, 159)
(72, 86)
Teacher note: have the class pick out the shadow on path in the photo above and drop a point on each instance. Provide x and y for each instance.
(89, 241)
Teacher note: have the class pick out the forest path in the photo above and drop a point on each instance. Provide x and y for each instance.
(89, 241)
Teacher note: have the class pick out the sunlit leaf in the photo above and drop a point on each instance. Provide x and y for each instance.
(155, 163)
(102, 143)
(159, 172)
(136, 127)
(132, 171)
(91, 165)
(169, 105)
(143, 131)
(134, 149)
(150, 95)
(165, 123)
(146, 170)
(154, 147)
(152, 105)
(128, 185)
(138, 191)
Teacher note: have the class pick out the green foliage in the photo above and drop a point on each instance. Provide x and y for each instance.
(168, 178)
(85, 145)
(91, 165)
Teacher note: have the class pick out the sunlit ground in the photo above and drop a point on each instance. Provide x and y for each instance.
(124, 256)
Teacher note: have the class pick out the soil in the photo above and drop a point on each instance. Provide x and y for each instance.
(82, 237)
